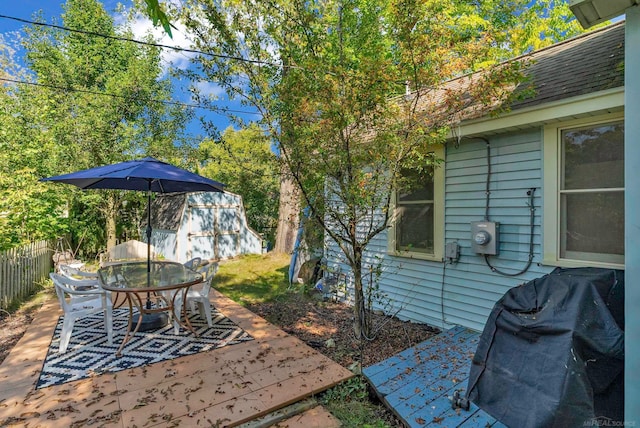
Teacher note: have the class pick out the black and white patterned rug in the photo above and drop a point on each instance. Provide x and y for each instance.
(89, 354)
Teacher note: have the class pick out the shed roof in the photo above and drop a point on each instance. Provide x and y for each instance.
(166, 211)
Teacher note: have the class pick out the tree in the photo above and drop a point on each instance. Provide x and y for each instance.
(288, 212)
(351, 92)
(25, 206)
(94, 101)
(243, 160)
(158, 16)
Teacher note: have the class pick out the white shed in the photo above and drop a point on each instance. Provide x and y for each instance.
(209, 225)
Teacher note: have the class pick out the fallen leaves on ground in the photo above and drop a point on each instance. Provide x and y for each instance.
(318, 322)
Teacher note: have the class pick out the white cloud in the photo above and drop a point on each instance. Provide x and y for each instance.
(142, 26)
(209, 89)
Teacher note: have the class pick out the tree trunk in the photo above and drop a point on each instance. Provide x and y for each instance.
(288, 215)
(110, 217)
(361, 325)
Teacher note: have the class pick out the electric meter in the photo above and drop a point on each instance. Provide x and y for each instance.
(484, 237)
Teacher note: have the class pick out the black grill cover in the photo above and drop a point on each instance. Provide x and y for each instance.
(552, 352)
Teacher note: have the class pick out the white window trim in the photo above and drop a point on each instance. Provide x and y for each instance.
(438, 217)
(551, 191)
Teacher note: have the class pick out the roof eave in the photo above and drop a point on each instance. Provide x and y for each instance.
(592, 104)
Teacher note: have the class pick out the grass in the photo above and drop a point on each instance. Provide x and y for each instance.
(349, 403)
(33, 301)
(254, 278)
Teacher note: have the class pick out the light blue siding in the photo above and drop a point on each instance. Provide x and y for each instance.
(464, 293)
(470, 287)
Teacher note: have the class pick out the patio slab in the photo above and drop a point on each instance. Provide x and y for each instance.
(223, 387)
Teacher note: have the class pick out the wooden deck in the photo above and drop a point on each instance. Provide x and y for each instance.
(418, 383)
(228, 386)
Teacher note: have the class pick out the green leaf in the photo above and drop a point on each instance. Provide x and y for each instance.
(156, 14)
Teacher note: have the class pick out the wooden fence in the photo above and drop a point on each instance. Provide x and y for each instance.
(21, 268)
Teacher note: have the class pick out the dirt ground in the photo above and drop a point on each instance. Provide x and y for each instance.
(12, 327)
(328, 327)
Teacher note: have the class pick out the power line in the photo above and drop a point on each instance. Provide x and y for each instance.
(108, 94)
(189, 137)
(157, 45)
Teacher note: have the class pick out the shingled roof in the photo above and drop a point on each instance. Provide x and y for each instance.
(588, 63)
(581, 65)
(166, 211)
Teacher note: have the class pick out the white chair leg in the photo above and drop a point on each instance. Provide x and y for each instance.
(176, 324)
(177, 310)
(205, 306)
(65, 334)
(108, 318)
(108, 323)
(174, 315)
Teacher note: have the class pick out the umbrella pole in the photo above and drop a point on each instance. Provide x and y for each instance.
(151, 321)
(149, 241)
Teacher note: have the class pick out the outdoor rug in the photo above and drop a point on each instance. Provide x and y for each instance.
(89, 354)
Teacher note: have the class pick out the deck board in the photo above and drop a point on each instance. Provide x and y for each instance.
(417, 383)
(224, 387)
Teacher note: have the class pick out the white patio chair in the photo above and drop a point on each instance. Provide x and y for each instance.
(197, 297)
(127, 251)
(79, 298)
(74, 273)
(200, 297)
(193, 264)
(89, 280)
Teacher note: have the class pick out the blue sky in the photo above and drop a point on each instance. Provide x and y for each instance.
(25, 9)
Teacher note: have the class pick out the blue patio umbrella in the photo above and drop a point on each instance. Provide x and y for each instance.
(147, 174)
(142, 174)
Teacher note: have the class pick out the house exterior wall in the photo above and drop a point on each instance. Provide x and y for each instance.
(463, 293)
(471, 287)
(517, 151)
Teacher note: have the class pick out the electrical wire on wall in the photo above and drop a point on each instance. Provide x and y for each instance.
(532, 209)
(447, 261)
(452, 254)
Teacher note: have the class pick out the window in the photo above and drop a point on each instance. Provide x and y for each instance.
(584, 193)
(418, 214)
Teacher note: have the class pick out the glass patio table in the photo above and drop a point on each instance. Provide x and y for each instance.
(163, 283)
